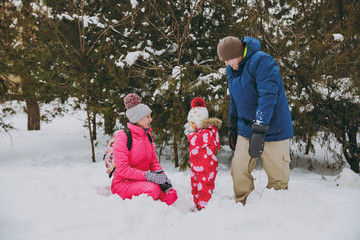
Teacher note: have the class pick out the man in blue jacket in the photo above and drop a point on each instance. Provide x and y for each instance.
(260, 123)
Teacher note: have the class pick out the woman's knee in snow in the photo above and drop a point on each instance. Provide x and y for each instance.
(153, 190)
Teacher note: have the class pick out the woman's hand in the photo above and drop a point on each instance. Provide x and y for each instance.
(156, 177)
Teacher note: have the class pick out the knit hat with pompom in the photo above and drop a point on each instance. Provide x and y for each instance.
(198, 111)
(135, 109)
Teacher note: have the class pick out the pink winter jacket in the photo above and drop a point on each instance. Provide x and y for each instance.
(141, 158)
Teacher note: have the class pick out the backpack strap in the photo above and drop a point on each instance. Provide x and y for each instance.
(150, 138)
(129, 138)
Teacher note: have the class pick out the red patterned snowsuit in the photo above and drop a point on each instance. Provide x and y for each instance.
(203, 145)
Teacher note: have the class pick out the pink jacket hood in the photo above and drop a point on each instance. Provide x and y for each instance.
(141, 158)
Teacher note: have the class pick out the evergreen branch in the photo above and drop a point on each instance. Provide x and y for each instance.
(107, 29)
(7, 80)
(159, 30)
(64, 38)
(186, 31)
(160, 18)
(79, 25)
(83, 26)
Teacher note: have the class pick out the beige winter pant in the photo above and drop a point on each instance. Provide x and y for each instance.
(276, 162)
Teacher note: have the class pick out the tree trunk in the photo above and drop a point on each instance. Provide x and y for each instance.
(33, 112)
(3, 90)
(354, 164)
(308, 144)
(90, 132)
(176, 154)
(340, 6)
(109, 121)
(352, 151)
(94, 127)
(352, 160)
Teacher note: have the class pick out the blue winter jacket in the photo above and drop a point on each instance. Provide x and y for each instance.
(257, 94)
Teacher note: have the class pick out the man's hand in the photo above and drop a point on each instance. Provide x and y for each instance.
(232, 133)
(257, 141)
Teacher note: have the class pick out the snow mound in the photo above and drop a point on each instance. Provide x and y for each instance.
(348, 178)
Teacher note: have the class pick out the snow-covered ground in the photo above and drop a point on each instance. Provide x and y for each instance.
(50, 190)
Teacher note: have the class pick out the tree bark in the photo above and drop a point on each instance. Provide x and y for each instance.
(33, 112)
(90, 132)
(176, 154)
(351, 150)
(353, 161)
(109, 121)
(94, 126)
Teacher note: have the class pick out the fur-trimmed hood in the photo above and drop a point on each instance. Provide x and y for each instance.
(211, 122)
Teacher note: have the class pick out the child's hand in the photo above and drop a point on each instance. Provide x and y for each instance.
(190, 128)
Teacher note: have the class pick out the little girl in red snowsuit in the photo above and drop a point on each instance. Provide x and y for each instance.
(204, 142)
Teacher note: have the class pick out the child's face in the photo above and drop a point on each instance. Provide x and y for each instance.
(198, 114)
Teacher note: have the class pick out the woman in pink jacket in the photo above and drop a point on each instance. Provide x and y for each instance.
(138, 171)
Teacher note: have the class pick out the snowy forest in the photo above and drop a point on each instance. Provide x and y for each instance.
(96, 52)
(66, 66)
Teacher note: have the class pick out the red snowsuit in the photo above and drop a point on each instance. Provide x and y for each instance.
(203, 145)
(129, 176)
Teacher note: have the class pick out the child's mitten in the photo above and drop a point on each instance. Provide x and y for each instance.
(189, 128)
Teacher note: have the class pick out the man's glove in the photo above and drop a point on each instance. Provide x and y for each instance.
(232, 133)
(256, 145)
(232, 139)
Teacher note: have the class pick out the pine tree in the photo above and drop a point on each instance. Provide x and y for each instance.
(84, 59)
(317, 47)
(178, 41)
(23, 50)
